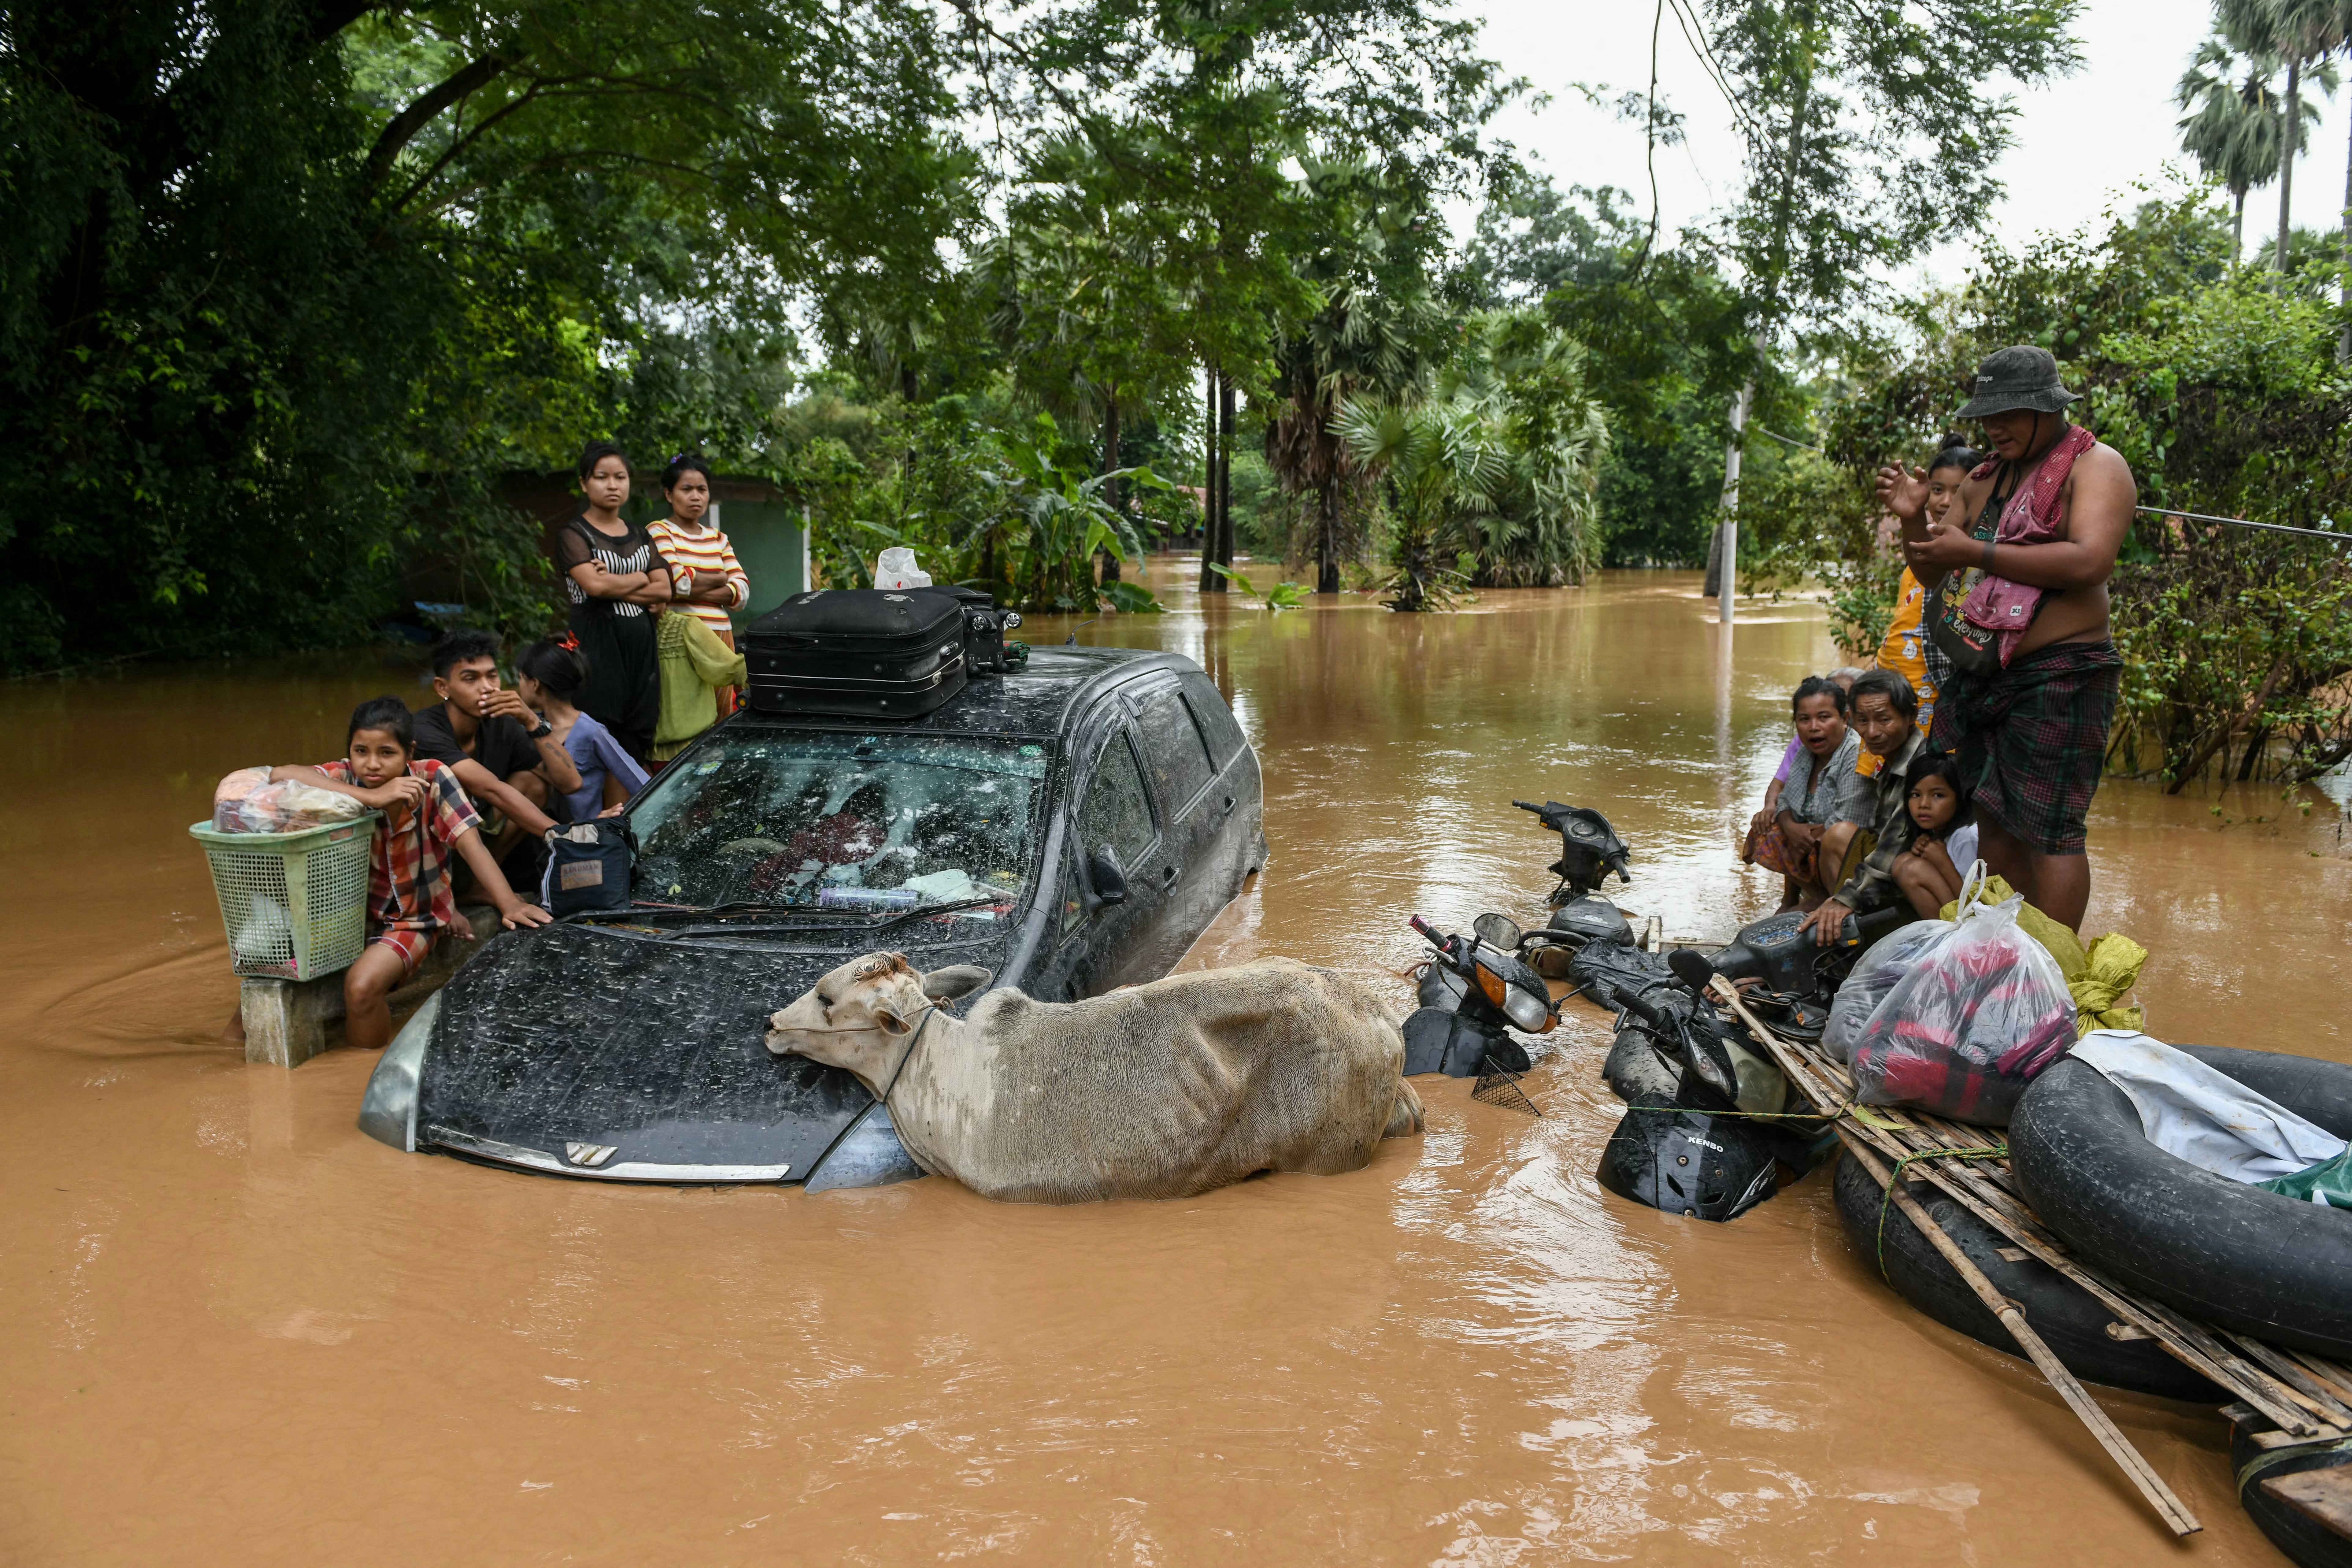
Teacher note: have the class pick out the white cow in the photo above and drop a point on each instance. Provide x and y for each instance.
(1154, 1091)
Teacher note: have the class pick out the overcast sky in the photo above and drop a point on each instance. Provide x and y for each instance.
(2079, 142)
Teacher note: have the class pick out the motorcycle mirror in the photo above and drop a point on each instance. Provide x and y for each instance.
(1496, 932)
(1691, 968)
(1109, 878)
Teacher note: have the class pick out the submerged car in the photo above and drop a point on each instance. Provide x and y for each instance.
(1072, 827)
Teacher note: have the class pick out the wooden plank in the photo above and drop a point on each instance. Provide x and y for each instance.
(2337, 1379)
(2168, 1507)
(2310, 1389)
(2323, 1497)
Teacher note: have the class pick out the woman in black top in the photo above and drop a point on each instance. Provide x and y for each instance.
(613, 577)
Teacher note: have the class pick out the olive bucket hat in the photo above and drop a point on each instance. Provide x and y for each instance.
(2022, 377)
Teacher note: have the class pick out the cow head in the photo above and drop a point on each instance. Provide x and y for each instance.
(862, 1015)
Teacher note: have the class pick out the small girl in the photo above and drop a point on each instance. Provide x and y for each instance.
(1929, 872)
(548, 676)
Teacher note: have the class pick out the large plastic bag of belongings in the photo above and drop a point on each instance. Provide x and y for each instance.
(2098, 976)
(1983, 1011)
(1874, 975)
(249, 801)
(2197, 1113)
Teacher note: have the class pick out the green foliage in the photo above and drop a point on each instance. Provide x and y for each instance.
(1015, 511)
(1871, 128)
(1281, 596)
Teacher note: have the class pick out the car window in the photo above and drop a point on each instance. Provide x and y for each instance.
(1115, 812)
(1173, 746)
(1216, 720)
(842, 821)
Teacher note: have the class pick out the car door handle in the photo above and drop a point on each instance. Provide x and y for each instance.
(1167, 875)
(1227, 807)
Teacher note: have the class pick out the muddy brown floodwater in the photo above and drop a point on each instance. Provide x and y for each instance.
(237, 1331)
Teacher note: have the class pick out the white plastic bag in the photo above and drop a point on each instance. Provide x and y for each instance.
(897, 569)
(267, 934)
(250, 801)
(1874, 975)
(1977, 1018)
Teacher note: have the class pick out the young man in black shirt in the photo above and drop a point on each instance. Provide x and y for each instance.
(500, 751)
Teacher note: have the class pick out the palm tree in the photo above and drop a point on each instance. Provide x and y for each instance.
(2235, 121)
(1372, 333)
(2300, 33)
(1498, 457)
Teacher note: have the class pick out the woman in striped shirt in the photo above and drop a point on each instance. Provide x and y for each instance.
(705, 577)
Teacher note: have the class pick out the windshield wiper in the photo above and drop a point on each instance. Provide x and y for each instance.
(884, 922)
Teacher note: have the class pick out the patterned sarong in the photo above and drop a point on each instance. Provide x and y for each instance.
(2032, 740)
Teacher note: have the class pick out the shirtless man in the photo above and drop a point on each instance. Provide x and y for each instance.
(2030, 734)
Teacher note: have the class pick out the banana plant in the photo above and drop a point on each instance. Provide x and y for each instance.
(1281, 596)
(1048, 519)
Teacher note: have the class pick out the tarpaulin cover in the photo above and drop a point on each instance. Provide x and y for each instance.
(2195, 1113)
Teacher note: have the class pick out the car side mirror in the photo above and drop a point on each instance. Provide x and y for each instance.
(1108, 878)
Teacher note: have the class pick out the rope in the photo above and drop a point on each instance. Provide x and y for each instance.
(2252, 1470)
(908, 1054)
(1886, 1200)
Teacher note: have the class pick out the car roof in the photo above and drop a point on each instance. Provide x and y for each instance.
(1039, 700)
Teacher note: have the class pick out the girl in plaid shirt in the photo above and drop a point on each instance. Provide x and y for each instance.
(426, 817)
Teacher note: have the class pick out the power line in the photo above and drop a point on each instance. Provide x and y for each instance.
(2243, 522)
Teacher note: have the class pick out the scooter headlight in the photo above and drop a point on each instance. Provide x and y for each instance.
(1529, 1013)
(1497, 989)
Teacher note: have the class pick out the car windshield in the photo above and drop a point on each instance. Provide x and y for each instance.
(880, 824)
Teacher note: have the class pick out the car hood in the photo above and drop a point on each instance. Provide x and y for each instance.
(592, 1052)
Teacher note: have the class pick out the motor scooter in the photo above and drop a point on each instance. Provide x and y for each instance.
(1714, 1143)
(1590, 940)
(1473, 990)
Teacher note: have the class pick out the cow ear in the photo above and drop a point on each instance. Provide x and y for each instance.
(889, 1021)
(956, 980)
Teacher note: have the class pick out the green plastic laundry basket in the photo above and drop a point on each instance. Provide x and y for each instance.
(295, 903)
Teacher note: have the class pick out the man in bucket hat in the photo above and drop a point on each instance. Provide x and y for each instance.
(2017, 586)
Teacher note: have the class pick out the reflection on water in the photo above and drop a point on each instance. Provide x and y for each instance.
(241, 1331)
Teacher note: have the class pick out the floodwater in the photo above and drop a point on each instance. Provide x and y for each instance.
(237, 1331)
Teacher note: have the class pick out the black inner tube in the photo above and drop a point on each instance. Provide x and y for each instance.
(2069, 1319)
(2306, 1542)
(2217, 1249)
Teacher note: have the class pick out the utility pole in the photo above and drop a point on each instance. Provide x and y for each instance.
(1210, 582)
(1224, 471)
(1728, 588)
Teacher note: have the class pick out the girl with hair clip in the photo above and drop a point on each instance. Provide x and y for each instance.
(706, 580)
(548, 675)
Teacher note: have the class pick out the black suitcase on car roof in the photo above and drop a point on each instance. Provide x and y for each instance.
(859, 653)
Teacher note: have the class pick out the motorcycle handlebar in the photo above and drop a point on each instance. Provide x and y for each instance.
(1639, 1004)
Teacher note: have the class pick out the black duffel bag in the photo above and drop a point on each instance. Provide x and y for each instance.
(861, 653)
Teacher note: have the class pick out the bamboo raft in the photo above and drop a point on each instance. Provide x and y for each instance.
(2306, 1398)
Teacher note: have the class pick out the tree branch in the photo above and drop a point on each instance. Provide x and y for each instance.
(423, 110)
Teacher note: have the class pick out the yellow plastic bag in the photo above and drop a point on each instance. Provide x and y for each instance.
(2111, 969)
(2097, 978)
